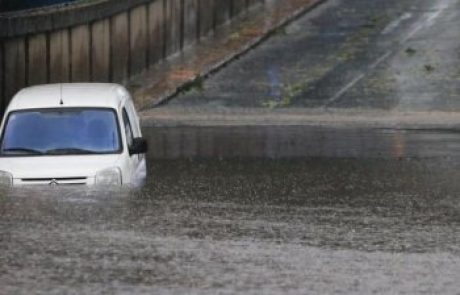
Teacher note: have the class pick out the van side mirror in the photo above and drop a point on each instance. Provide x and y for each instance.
(139, 146)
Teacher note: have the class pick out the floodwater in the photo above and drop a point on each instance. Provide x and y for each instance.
(331, 223)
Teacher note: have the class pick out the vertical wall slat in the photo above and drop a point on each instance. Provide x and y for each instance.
(2, 82)
(173, 26)
(155, 31)
(190, 21)
(120, 50)
(138, 39)
(15, 66)
(206, 17)
(80, 53)
(222, 10)
(238, 6)
(100, 51)
(59, 57)
(37, 63)
(253, 2)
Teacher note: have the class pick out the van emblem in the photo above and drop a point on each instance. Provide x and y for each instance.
(53, 182)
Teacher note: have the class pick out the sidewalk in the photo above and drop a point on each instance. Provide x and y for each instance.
(226, 44)
(351, 118)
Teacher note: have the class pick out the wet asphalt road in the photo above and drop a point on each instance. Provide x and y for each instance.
(380, 54)
(275, 210)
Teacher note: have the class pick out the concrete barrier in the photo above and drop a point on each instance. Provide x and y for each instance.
(102, 40)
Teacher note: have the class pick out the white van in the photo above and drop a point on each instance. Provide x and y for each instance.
(72, 134)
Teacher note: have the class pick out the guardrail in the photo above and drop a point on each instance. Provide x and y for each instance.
(101, 40)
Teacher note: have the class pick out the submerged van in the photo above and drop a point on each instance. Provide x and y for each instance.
(72, 134)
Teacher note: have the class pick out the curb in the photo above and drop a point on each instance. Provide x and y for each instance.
(245, 49)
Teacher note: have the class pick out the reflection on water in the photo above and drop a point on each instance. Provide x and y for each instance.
(284, 142)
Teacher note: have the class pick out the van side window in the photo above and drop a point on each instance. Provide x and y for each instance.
(128, 129)
(133, 117)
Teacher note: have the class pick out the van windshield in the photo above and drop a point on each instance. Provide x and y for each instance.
(61, 132)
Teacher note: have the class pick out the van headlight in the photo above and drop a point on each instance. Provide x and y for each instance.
(109, 177)
(6, 179)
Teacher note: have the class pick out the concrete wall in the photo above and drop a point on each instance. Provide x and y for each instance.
(102, 41)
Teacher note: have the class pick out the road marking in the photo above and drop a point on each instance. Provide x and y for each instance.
(344, 89)
(396, 23)
(429, 21)
(355, 81)
(380, 60)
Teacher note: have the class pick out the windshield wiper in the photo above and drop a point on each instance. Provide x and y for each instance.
(22, 150)
(70, 151)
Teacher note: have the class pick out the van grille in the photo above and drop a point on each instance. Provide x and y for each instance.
(55, 181)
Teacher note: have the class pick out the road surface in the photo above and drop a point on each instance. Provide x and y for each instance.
(388, 55)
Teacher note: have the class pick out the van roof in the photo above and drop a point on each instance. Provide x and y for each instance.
(104, 95)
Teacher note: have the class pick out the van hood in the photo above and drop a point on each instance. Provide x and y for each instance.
(57, 166)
